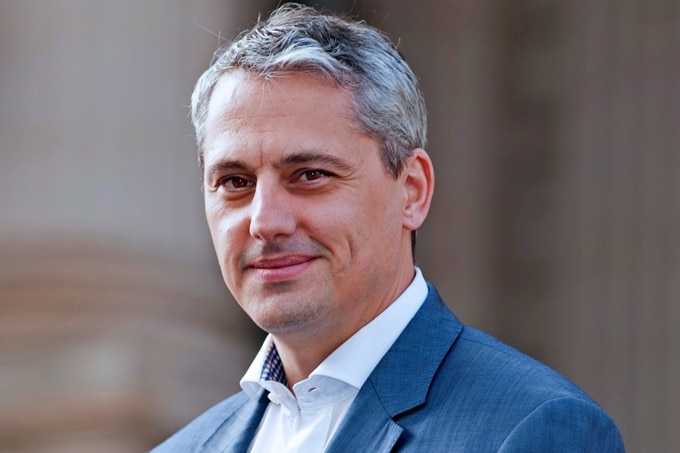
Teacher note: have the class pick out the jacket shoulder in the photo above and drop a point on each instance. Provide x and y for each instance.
(517, 402)
(565, 424)
(199, 430)
(480, 357)
(484, 394)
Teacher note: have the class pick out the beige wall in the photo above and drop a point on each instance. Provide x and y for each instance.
(556, 219)
(617, 298)
(115, 326)
(555, 223)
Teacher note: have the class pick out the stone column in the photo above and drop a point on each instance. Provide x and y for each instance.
(619, 197)
(115, 326)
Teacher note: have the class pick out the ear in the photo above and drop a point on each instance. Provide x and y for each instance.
(418, 177)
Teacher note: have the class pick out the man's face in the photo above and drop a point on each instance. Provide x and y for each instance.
(306, 221)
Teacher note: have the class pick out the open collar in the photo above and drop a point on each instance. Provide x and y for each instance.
(400, 382)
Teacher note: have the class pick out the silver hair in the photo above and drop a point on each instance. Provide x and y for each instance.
(387, 102)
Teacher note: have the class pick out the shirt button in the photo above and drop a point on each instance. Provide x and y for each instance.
(274, 399)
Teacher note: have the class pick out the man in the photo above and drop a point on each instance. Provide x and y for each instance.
(311, 132)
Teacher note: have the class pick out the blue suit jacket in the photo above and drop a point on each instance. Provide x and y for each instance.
(442, 387)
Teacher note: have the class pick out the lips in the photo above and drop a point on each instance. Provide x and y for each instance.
(279, 269)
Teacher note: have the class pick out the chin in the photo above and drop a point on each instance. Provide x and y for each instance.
(278, 320)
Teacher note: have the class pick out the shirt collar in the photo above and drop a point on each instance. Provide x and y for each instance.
(272, 368)
(354, 360)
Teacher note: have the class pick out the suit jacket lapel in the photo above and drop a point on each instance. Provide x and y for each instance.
(238, 430)
(400, 382)
(367, 426)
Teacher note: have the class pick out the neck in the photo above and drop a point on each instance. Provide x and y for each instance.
(302, 351)
(301, 358)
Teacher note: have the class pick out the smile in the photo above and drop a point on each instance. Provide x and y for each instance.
(273, 270)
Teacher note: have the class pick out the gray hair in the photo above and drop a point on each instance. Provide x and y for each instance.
(387, 103)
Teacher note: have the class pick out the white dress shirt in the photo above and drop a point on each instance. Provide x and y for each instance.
(305, 422)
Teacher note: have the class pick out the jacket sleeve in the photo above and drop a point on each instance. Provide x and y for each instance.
(565, 424)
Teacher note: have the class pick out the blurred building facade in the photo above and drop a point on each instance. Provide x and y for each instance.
(555, 224)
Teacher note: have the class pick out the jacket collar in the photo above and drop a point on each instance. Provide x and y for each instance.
(237, 431)
(401, 380)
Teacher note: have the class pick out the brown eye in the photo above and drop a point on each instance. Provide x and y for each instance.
(236, 182)
(311, 175)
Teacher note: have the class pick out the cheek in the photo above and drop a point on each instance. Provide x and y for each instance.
(215, 225)
(359, 228)
(228, 244)
(381, 211)
(226, 232)
(381, 226)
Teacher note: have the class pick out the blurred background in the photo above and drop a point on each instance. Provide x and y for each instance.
(554, 128)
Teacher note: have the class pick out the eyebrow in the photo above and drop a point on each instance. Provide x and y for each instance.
(313, 157)
(298, 158)
(217, 168)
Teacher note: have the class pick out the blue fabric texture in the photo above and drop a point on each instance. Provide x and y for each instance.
(442, 387)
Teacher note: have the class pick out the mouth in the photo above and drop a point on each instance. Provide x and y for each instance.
(280, 269)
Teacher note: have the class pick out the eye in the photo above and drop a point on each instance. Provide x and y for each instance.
(312, 175)
(235, 183)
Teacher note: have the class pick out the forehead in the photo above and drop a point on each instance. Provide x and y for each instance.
(240, 95)
(270, 116)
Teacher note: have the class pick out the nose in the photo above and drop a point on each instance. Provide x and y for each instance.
(271, 212)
